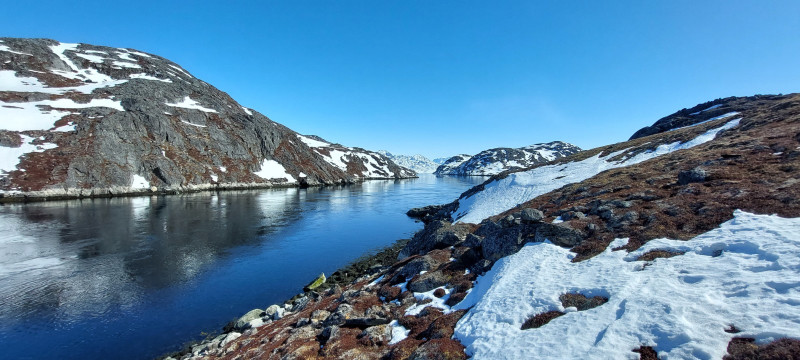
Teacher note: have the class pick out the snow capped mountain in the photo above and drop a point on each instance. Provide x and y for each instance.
(449, 166)
(418, 163)
(83, 120)
(495, 161)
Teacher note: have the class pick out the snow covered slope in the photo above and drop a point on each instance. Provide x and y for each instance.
(420, 164)
(495, 161)
(745, 274)
(502, 194)
(356, 161)
(84, 120)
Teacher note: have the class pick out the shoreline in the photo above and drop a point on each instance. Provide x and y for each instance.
(366, 265)
(121, 191)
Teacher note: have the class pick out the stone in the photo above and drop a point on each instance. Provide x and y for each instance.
(532, 215)
(300, 303)
(270, 311)
(342, 313)
(435, 235)
(315, 283)
(243, 322)
(365, 322)
(692, 176)
(378, 335)
(330, 333)
(472, 241)
(558, 234)
(414, 267)
(428, 281)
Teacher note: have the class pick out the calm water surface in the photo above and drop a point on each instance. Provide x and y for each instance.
(133, 278)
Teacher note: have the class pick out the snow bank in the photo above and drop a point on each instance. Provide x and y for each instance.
(271, 169)
(189, 103)
(746, 273)
(501, 195)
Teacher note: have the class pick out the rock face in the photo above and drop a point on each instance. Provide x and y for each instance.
(496, 161)
(85, 120)
(418, 163)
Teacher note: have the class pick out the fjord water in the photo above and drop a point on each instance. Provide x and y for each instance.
(134, 278)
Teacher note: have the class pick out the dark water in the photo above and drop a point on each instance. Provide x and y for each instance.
(133, 278)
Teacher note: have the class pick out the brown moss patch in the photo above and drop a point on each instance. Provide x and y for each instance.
(646, 353)
(581, 302)
(657, 253)
(746, 349)
(540, 320)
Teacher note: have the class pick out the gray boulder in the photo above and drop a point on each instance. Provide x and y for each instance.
(559, 234)
(692, 176)
(244, 322)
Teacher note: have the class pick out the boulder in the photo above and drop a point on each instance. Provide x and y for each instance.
(692, 176)
(559, 234)
(244, 322)
(378, 335)
(316, 283)
(414, 267)
(437, 234)
(531, 215)
(338, 318)
(428, 281)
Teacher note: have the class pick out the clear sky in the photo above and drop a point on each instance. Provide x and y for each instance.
(445, 77)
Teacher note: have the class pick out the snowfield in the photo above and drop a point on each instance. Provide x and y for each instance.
(746, 273)
(517, 188)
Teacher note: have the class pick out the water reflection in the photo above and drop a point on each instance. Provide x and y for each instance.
(87, 255)
(94, 278)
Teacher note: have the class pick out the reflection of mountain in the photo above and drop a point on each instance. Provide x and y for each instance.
(85, 256)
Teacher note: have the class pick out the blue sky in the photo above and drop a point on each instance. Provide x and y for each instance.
(445, 77)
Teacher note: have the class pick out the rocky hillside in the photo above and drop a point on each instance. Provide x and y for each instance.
(681, 244)
(496, 161)
(420, 164)
(84, 120)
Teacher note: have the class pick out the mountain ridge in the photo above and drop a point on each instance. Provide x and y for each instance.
(498, 160)
(83, 120)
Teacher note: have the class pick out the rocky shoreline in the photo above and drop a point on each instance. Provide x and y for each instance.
(74, 194)
(360, 269)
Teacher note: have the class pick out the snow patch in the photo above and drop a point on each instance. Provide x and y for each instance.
(247, 111)
(745, 273)
(9, 156)
(189, 103)
(399, 333)
(706, 109)
(139, 182)
(31, 115)
(188, 123)
(148, 77)
(271, 169)
(311, 142)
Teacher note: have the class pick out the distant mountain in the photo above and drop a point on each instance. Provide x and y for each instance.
(83, 120)
(440, 161)
(449, 166)
(495, 161)
(418, 163)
